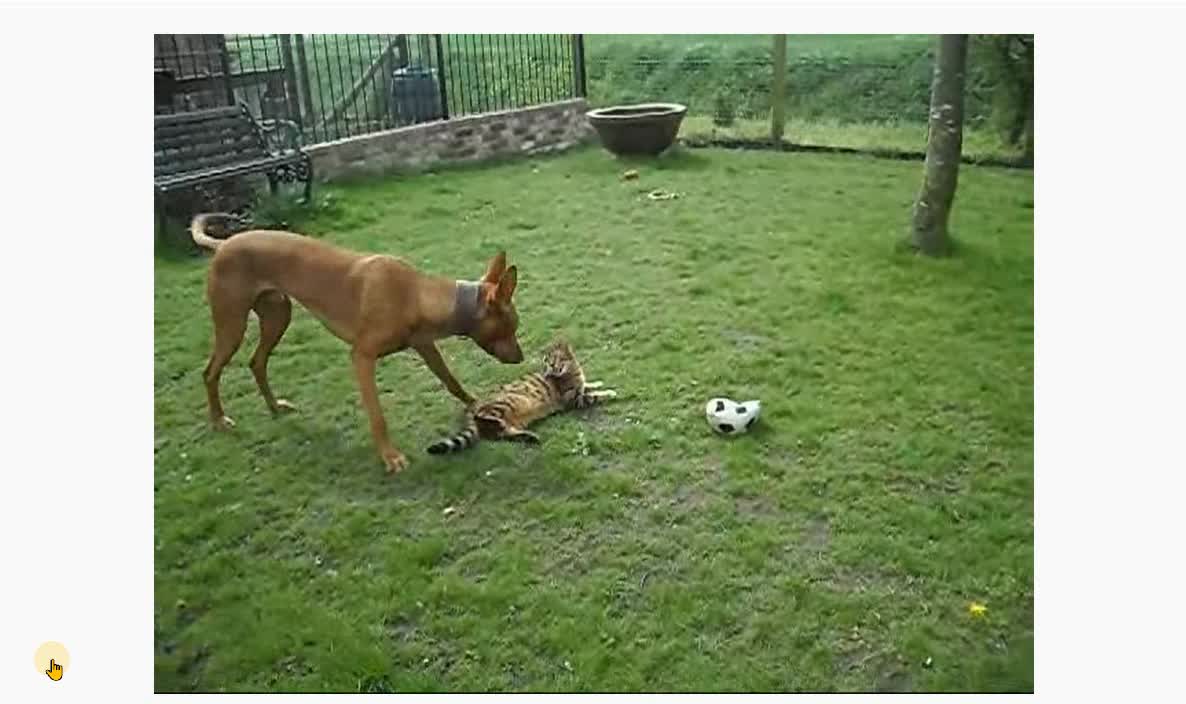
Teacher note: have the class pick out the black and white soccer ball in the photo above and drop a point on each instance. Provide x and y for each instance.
(730, 417)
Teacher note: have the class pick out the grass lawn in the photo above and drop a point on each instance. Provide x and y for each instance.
(896, 136)
(835, 548)
(858, 47)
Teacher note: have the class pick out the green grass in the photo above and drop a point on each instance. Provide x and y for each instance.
(978, 142)
(835, 548)
(858, 47)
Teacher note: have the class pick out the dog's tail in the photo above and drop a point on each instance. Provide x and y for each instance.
(197, 230)
(467, 438)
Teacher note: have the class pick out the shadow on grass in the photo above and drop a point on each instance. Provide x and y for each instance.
(174, 244)
(1008, 162)
(677, 158)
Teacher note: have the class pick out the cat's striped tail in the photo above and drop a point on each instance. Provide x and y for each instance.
(466, 439)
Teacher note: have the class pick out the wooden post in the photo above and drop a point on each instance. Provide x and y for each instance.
(778, 91)
(224, 60)
(367, 76)
(306, 92)
(290, 80)
(382, 86)
(402, 57)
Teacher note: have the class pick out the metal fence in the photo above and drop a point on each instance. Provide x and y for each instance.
(341, 85)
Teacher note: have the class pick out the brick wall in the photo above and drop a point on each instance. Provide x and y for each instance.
(533, 130)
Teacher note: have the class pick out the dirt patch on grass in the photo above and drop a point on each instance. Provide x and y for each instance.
(400, 628)
(851, 579)
(817, 535)
(755, 506)
(746, 340)
(895, 679)
(954, 481)
(869, 666)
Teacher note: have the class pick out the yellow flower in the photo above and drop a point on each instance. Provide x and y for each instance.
(977, 610)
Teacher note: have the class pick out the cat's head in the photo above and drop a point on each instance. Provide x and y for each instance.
(559, 360)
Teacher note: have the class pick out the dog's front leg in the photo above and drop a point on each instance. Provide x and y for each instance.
(432, 357)
(364, 370)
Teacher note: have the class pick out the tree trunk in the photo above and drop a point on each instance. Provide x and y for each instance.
(1027, 131)
(945, 136)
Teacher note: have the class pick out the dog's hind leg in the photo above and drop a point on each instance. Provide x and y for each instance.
(230, 322)
(275, 312)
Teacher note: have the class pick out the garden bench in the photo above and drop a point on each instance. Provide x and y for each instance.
(205, 146)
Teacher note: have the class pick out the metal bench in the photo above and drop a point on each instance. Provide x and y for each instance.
(204, 146)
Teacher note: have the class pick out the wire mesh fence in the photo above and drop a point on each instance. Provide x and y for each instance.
(342, 85)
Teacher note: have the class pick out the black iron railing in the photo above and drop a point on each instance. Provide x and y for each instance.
(342, 85)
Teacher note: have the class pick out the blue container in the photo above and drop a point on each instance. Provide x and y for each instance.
(415, 95)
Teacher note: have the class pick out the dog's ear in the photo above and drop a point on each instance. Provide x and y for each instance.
(506, 285)
(498, 265)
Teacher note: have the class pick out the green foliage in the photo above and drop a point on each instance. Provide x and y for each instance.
(845, 79)
(834, 548)
(724, 111)
(1006, 62)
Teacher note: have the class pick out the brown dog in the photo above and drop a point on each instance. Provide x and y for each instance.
(376, 303)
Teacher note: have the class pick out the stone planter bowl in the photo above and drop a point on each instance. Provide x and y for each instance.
(648, 128)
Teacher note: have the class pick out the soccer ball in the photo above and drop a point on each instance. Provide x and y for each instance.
(730, 417)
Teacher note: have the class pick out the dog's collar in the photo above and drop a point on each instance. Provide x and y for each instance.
(465, 309)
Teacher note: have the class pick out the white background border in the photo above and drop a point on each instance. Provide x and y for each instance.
(76, 289)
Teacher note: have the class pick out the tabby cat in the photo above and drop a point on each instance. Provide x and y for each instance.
(505, 415)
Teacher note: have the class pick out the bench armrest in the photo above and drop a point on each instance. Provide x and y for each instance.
(281, 135)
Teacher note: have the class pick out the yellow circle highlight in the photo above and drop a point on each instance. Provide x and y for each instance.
(51, 650)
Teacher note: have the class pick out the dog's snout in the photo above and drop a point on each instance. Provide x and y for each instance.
(510, 353)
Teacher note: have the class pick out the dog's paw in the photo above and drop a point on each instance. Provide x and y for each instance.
(394, 461)
(283, 406)
(223, 423)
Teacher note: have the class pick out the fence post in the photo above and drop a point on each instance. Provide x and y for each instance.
(290, 80)
(403, 58)
(306, 94)
(224, 60)
(578, 65)
(383, 98)
(442, 81)
(778, 91)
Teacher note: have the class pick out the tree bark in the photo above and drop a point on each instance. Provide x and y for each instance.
(945, 135)
(1027, 130)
